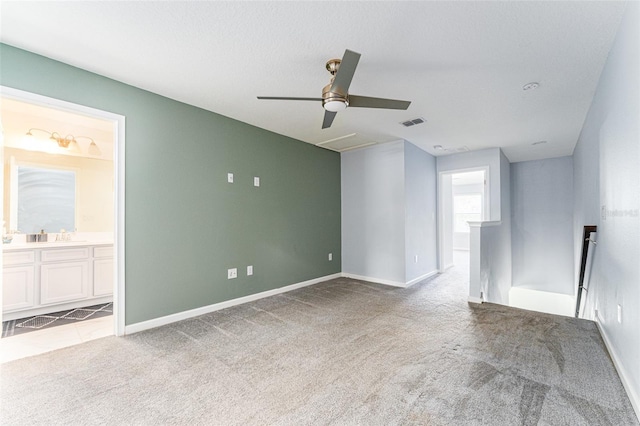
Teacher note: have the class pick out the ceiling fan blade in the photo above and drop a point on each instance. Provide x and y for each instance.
(280, 98)
(347, 68)
(368, 102)
(328, 119)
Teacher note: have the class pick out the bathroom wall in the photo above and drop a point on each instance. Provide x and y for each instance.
(185, 225)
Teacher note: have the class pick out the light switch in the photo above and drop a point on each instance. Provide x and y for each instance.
(249, 270)
(230, 177)
(256, 181)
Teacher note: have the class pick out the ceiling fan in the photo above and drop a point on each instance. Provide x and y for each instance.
(335, 95)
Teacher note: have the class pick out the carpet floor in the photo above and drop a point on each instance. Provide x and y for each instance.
(342, 352)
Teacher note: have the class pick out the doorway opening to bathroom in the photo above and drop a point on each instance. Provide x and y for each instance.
(63, 230)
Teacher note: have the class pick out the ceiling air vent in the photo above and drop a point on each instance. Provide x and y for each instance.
(413, 122)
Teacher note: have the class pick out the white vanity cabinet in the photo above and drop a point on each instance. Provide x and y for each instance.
(103, 271)
(64, 275)
(51, 278)
(18, 280)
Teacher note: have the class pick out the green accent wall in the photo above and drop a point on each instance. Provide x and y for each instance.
(185, 225)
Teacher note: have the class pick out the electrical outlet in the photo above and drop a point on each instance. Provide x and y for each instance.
(232, 273)
(619, 314)
(230, 177)
(249, 270)
(256, 181)
(330, 256)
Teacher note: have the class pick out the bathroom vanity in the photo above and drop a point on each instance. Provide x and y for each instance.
(54, 276)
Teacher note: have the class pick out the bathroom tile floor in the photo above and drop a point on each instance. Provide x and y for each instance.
(49, 339)
(69, 316)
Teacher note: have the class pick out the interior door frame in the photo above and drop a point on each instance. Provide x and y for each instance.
(441, 211)
(119, 184)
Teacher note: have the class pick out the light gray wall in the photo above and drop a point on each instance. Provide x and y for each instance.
(495, 241)
(490, 256)
(474, 159)
(461, 239)
(420, 212)
(500, 257)
(447, 220)
(542, 225)
(373, 212)
(185, 225)
(612, 200)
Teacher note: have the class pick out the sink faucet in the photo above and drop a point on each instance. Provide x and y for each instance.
(63, 236)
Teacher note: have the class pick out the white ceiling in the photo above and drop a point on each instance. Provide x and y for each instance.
(462, 64)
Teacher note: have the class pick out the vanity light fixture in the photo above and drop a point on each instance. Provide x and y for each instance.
(69, 142)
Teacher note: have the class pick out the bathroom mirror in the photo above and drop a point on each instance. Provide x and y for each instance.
(53, 192)
(45, 199)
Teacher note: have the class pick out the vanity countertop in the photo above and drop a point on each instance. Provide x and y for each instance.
(52, 244)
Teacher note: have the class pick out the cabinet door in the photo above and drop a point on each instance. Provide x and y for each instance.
(63, 282)
(102, 277)
(17, 288)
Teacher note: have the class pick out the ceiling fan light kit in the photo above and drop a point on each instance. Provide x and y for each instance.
(335, 95)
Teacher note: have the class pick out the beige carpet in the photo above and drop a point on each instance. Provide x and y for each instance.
(342, 352)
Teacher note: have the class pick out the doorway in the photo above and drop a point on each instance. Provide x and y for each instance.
(77, 152)
(463, 197)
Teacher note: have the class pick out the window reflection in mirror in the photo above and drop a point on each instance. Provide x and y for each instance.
(46, 199)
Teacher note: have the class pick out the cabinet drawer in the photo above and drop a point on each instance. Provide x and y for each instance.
(103, 251)
(18, 258)
(65, 254)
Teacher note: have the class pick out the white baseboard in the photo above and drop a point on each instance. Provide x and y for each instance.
(420, 278)
(472, 299)
(157, 322)
(390, 282)
(374, 280)
(633, 396)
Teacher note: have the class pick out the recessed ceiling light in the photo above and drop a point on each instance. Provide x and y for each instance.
(539, 143)
(438, 147)
(531, 86)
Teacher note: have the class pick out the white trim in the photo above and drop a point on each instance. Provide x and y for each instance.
(420, 278)
(390, 282)
(119, 182)
(168, 319)
(472, 299)
(633, 397)
(375, 280)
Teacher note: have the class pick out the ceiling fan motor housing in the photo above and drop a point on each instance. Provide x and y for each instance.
(334, 101)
